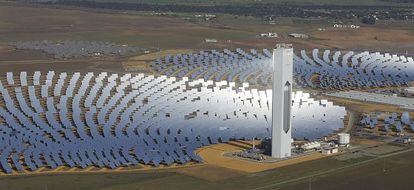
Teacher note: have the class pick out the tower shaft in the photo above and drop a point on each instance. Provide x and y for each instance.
(282, 101)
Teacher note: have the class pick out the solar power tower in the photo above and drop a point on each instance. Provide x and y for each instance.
(282, 101)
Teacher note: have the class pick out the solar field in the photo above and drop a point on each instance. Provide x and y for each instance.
(325, 71)
(388, 122)
(111, 120)
(77, 49)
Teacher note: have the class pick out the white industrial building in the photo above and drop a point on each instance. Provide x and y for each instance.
(298, 35)
(311, 145)
(269, 35)
(211, 40)
(330, 150)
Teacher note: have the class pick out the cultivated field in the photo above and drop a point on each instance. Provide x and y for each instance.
(176, 31)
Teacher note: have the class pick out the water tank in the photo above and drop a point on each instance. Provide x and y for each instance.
(343, 138)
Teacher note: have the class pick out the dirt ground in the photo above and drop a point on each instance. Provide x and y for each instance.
(362, 107)
(365, 142)
(380, 38)
(141, 63)
(214, 155)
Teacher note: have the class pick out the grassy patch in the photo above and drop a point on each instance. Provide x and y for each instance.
(357, 160)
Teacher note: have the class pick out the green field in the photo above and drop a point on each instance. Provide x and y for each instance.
(383, 173)
(233, 2)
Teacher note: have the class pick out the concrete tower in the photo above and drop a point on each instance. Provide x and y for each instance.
(282, 101)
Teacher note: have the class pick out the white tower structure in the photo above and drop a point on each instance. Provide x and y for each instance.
(282, 101)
